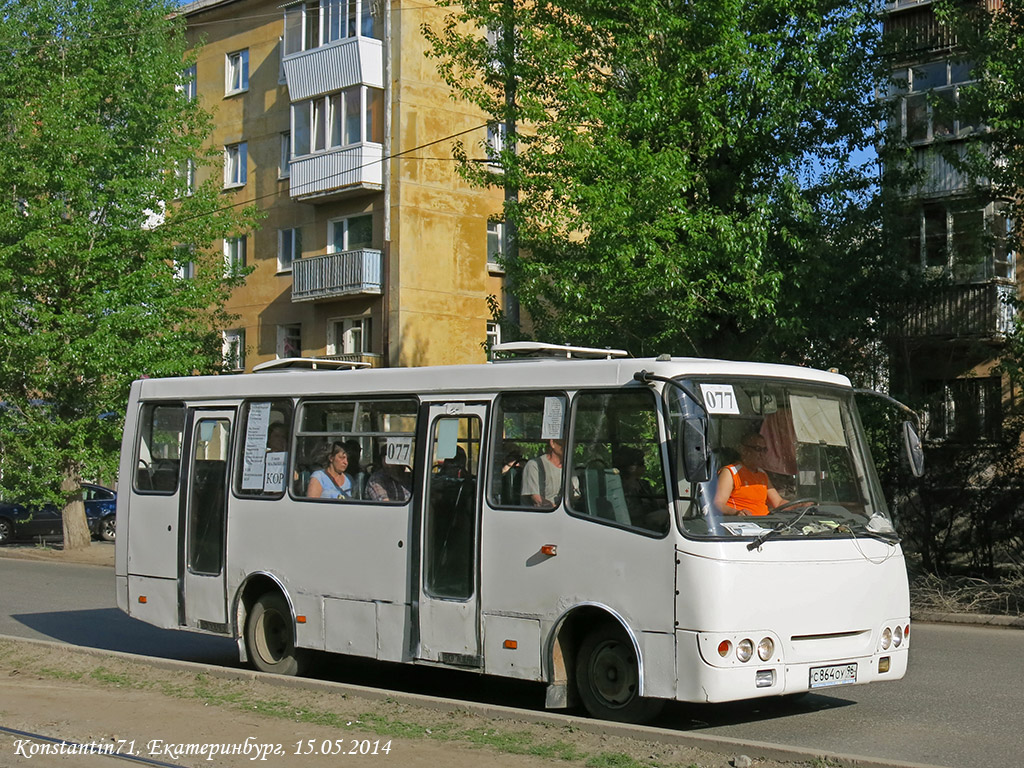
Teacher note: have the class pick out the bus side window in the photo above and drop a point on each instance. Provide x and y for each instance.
(529, 436)
(616, 460)
(158, 462)
(378, 437)
(266, 441)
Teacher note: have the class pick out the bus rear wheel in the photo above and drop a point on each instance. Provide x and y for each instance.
(270, 637)
(608, 678)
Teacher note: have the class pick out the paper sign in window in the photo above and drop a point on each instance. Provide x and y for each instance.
(254, 462)
(554, 411)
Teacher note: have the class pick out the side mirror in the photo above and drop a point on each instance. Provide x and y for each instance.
(913, 449)
(693, 451)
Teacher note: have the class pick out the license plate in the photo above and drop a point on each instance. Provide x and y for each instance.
(838, 674)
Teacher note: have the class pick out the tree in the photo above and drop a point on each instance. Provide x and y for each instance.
(691, 177)
(98, 140)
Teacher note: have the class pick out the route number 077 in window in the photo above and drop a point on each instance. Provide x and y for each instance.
(398, 451)
(720, 398)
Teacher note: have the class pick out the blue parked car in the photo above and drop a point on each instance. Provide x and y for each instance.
(21, 523)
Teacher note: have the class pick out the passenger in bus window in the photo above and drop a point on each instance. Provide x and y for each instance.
(277, 438)
(542, 477)
(744, 488)
(331, 482)
(388, 481)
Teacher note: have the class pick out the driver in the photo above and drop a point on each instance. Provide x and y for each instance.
(744, 488)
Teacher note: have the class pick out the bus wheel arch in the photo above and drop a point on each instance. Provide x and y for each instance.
(267, 625)
(597, 659)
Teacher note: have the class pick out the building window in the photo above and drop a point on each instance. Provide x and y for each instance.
(496, 246)
(289, 341)
(289, 248)
(234, 255)
(929, 94)
(496, 139)
(350, 336)
(284, 165)
(320, 22)
(351, 234)
(236, 72)
(234, 350)
(186, 173)
(493, 337)
(344, 118)
(968, 243)
(236, 164)
(184, 266)
(189, 83)
(964, 410)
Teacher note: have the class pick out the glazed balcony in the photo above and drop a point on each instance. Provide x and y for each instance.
(337, 173)
(334, 66)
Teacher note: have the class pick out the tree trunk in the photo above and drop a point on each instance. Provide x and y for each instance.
(76, 528)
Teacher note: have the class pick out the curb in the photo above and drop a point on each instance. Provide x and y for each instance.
(973, 619)
(728, 747)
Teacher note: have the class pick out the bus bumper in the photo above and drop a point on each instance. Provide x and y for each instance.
(699, 681)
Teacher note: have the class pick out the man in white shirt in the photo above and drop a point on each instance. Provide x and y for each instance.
(542, 477)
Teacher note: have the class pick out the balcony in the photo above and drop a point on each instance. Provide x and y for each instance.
(337, 173)
(977, 311)
(333, 275)
(333, 67)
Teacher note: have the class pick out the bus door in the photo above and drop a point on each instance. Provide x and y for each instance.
(449, 601)
(201, 561)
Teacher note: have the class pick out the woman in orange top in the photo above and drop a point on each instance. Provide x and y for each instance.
(744, 488)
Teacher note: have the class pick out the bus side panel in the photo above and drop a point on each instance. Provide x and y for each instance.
(626, 574)
(153, 600)
(512, 647)
(329, 557)
(350, 627)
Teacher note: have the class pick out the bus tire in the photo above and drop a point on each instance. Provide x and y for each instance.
(270, 637)
(608, 678)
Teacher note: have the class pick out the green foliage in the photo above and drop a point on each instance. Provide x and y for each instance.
(96, 130)
(689, 178)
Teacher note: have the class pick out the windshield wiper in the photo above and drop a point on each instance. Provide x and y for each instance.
(756, 543)
(889, 538)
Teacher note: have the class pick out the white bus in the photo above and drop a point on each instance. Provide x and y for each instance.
(546, 519)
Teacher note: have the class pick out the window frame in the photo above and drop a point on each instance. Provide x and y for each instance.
(299, 433)
(285, 261)
(569, 462)
(235, 254)
(148, 407)
(236, 70)
(233, 356)
(236, 165)
(277, 404)
(345, 222)
(282, 340)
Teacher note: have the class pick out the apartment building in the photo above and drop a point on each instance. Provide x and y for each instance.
(946, 353)
(336, 125)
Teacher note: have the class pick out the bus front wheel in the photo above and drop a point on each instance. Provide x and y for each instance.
(270, 637)
(608, 678)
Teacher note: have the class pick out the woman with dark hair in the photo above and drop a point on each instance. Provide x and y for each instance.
(331, 482)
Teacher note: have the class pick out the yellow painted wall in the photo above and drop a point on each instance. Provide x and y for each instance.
(437, 281)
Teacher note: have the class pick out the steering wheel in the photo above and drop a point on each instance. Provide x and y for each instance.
(795, 502)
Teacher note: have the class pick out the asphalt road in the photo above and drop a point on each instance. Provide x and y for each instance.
(960, 705)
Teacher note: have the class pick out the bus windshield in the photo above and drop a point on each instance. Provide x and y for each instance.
(788, 459)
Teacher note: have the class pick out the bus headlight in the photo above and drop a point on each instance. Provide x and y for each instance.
(897, 638)
(744, 650)
(765, 649)
(886, 638)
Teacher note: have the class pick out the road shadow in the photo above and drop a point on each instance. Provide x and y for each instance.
(691, 717)
(109, 629)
